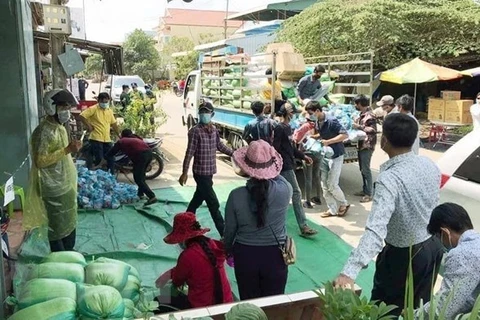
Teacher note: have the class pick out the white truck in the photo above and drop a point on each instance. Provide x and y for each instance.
(233, 83)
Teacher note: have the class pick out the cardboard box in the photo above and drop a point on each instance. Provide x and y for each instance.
(458, 105)
(436, 109)
(290, 66)
(458, 117)
(451, 95)
(280, 47)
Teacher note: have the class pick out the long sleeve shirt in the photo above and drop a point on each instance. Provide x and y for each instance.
(461, 278)
(259, 128)
(416, 144)
(405, 194)
(368, 124)
(241, 221)
(282, 142)
(203, 143)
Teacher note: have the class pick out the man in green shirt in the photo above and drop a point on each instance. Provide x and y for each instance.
(125, 98)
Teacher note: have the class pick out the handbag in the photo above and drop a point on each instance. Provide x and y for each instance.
(288, 249)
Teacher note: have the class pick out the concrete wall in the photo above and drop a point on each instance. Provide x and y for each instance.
(194, 33)
(18, 89)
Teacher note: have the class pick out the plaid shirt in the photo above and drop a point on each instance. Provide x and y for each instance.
(203, 143)
(368, 123)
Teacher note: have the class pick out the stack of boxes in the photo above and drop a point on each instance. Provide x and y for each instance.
(450, 108)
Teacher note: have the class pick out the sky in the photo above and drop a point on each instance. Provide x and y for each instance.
(110, 21)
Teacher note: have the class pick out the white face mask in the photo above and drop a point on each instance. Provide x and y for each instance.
(63, 116)
(477, 101)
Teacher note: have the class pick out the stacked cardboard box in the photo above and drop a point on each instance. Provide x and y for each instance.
(449, 111)
(458, 111)
(436, 109)
(451, 95)
(290, 65)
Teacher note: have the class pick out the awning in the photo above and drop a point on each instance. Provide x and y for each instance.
(475, 72)
(273, 11)
(112, 54)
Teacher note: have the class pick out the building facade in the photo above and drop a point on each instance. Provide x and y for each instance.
(195, 25)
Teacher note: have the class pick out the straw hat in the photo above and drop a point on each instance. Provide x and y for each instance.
(259, 160)
(185, 226)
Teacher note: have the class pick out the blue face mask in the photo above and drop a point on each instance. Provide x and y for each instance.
(104, 105)
(205, 118)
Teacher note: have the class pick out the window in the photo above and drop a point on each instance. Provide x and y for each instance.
(470, 169)
(190, 84)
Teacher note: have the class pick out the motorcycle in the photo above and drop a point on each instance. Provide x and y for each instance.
(124, 164)
(176, 89)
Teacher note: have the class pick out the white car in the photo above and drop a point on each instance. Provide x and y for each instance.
(460, 167)
(115, 87)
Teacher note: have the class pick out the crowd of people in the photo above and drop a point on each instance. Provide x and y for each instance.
(406, 222)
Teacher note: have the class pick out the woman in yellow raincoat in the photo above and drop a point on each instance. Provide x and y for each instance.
(52, 193)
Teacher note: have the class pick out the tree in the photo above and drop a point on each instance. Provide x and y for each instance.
(93, 66)
(397, 30)
(177, 44)
(140, 56)
(185, 64)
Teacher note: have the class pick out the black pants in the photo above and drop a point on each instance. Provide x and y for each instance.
(65, 244)
(179, 302)
(392, 270)
(260, 271)
(205, 192)
(140, 165)
(99, 151)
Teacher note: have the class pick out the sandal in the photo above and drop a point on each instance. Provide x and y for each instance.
(366, 199)
(307, 231)
(327, 214)
(342, 213)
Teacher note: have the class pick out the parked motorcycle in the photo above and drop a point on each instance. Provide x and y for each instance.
(124, 164)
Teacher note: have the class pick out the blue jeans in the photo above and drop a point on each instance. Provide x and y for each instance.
(364, 160)
(312, 178)
(290, 176)
(99, 151)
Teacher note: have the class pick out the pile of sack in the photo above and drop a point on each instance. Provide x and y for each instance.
(66, 287)
(99, 189)
(346, 114)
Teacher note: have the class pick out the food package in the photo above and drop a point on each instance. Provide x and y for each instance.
(58, 270)
(40, 290)
(99, 302)
(59, 308)
(67, 257)
(99, 189)
(107, 274)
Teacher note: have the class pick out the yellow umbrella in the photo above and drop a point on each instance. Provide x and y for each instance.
(419, 71)
(472, 72)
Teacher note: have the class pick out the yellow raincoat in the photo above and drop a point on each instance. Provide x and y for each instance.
(52, 193)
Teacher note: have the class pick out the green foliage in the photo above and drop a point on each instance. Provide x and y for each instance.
(397, 30)
(140, 55)
(463, 130)
(185, 64)
(340, 304)
(93, 66)
(143, 118)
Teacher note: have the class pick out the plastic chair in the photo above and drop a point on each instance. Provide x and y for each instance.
(18, 192)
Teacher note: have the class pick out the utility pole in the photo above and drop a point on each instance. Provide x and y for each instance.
(225, 26)
(57, 45)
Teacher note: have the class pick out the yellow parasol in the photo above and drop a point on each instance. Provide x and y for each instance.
(419, 71)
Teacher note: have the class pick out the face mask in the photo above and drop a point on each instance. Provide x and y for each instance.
(448, 246)
(478, 101)
(313, 117)
(63, 116)
(205, 118)
(103, 105)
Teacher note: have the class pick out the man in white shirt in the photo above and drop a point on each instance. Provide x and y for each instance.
(461, 278)
(405, 194)
(387, 103)
(405, 106)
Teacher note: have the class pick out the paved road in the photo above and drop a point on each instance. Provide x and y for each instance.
(349, 228)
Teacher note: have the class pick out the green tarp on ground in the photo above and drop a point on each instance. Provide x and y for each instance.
(135, 235)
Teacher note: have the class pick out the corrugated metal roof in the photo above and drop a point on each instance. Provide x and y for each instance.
(253, 43)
